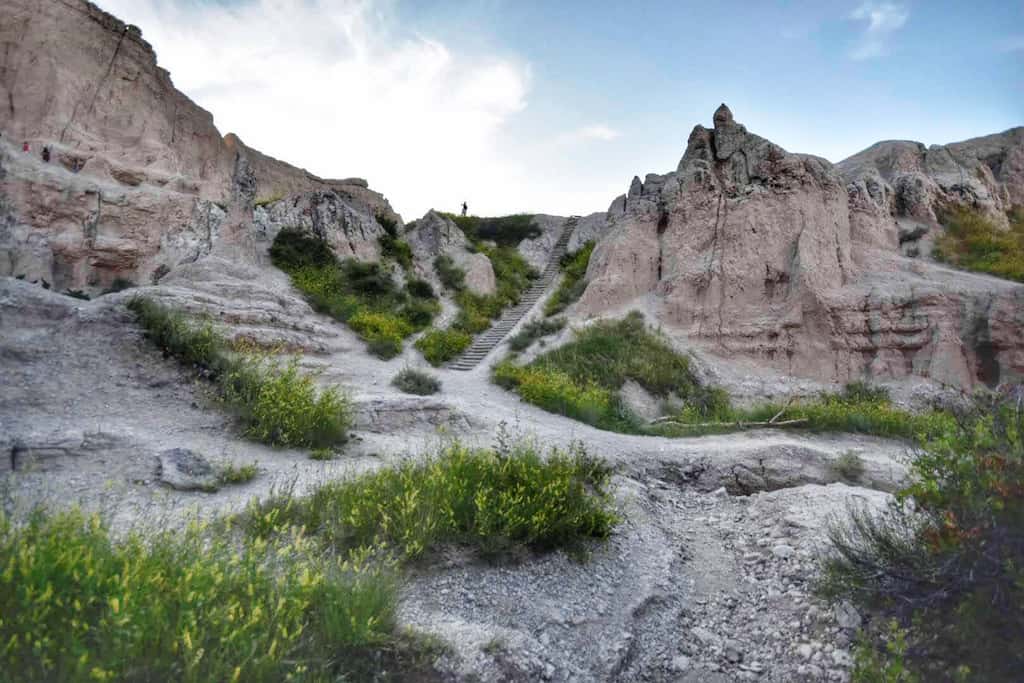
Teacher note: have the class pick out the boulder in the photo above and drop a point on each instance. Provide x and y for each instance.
(436, 234)
(186, 470)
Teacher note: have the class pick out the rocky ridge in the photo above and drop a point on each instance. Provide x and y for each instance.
(755, 252)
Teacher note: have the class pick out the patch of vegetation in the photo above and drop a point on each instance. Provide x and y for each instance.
(582, 380)
(413, 381)
(277, 404)
(491, 500)
(322, 454)
(513, 276)
(506, 231)
(973, 242)
(363, 295)
(389, 224)
(534, 330)
(440, 346)
(849, 467)
(452, 277)
(263, 202)
(946, 559)
(189, 606)
(420, 289)
(237, 474)
(570, 288)
(396, 249)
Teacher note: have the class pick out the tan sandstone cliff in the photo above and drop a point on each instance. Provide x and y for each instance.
(760, 253)
(140, 180)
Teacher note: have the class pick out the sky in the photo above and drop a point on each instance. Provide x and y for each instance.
(553, 106)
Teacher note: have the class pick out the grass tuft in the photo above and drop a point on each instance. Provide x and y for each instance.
(417, 382)
(534, 330)
(482, 498)
(277, 404)
(570, 288)
(973, 242)
(237, 474)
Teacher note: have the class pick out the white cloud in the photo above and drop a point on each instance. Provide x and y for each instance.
(599, 132)
(884, 19)
(329, 85)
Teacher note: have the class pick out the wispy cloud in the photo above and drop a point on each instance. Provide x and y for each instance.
(883, 19)
(595, 131)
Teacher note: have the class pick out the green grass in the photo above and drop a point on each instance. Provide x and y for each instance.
(440, 346)
(506, 231)
(397, 250)
(277, 404)
(945, 561)
(572, 284)
(363, 295)
(263, 202)
(582, 378)
(413, 381)
(534, 331)
(452, 277)
(187, 606)
(491, 500)
(973, 242)
(237, 474)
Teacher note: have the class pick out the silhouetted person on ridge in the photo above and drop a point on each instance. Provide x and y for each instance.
(465, 208)
(46, 154)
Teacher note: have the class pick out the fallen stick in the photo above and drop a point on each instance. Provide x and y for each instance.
(741, 425)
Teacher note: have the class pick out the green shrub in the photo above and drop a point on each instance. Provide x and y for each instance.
(389, 224)
(321, 454)
(363, 295)
(482, 498)
(570, 288)
(237, 474)
(972, 241)
(534, 330)
(383, 331)
(420, 289)
(947, 558)
(451, 276)
(283, 407)
(184, 606)
(278, 405)
(440, 346)
(416, 382)
(396, 249)
(506, 231)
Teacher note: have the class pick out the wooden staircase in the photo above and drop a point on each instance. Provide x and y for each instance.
(487, 340)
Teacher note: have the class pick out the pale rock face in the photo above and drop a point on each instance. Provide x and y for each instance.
(897, 187)
(324, 214)
(140, 181)
(434, 235)
(756, 252)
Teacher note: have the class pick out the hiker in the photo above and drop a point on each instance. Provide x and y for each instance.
(24, 147)
(465, 208)
(46, 154)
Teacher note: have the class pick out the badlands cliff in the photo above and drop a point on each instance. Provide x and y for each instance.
(785, 259)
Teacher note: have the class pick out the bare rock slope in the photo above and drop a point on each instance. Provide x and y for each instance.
(139, 179)
(756, 252)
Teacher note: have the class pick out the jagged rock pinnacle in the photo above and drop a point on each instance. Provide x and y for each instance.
(722, 115)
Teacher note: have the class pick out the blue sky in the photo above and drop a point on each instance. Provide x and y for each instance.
(554, 106)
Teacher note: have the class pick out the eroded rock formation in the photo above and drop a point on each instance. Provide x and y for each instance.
(762, 253)
(139, 180)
